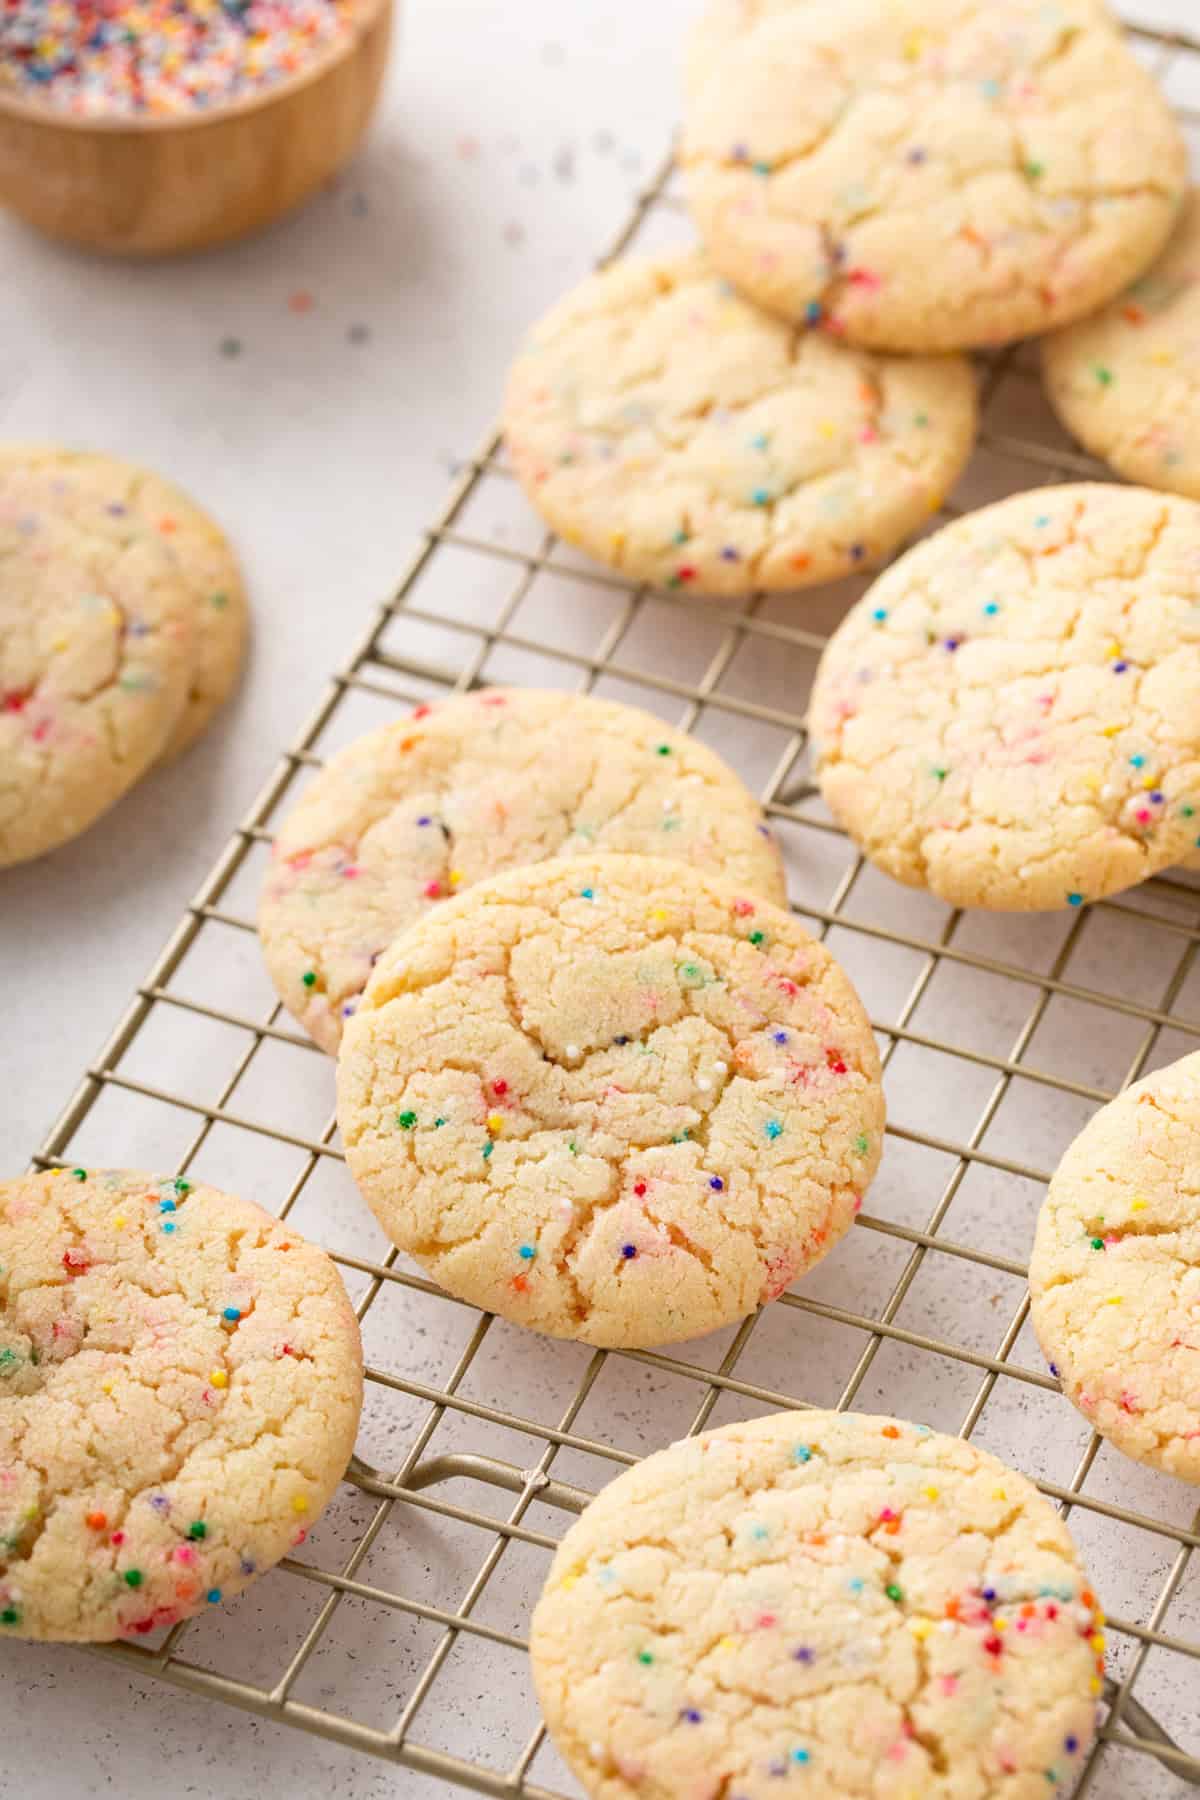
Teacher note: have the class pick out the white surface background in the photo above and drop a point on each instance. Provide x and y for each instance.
(510, 143)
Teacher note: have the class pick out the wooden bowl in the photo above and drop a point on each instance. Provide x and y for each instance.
(182, 181)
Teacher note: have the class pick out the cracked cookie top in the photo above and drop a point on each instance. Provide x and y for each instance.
(1126, 382)
(180, 1384)
(417, 811)
(611, 1098)
(1115, 1271)
(97, 644)
(667, 427)
(927, 174)
(1011, 715)
(878, 1611)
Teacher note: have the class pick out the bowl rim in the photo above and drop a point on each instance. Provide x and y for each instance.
(368, 14)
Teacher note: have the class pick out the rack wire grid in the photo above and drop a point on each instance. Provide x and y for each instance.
(399, 1628)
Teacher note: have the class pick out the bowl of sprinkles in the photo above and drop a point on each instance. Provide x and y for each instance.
(144, 127)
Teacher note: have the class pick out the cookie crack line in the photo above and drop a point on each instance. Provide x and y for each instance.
(697, 1134)
(585, 1212)
(828, 227)
(1138, 1228)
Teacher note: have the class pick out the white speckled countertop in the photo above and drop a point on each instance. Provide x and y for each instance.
(509, 146)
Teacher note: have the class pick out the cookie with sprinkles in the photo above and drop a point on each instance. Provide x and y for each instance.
(611, 1098)
(1126, 381)
(415, 812)
(1115, 1272)
(927, 174)
(180, 1385)
(97, 652)
(663, 425)
(870, 1608)
(1010, 716)
(139, 499)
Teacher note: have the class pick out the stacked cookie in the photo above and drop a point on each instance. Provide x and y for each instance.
(891, 183)
(122, 629)
(592, 1074)
(413, 814)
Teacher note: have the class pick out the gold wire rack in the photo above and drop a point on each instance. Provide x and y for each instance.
(406, 1611)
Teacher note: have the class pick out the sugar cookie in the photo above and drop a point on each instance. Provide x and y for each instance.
(927, 174)
(665, 426)
(1126, 381)
(180, 1384)
(877, 1611)
(97, 638)
(1011, 715)
(611, 1098)
(1115, 1272)
(136, 498)
(482, 782)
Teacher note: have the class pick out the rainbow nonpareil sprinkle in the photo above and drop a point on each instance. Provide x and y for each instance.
(100, 58)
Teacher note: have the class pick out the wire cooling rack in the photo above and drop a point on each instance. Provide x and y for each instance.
(399, 1627)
